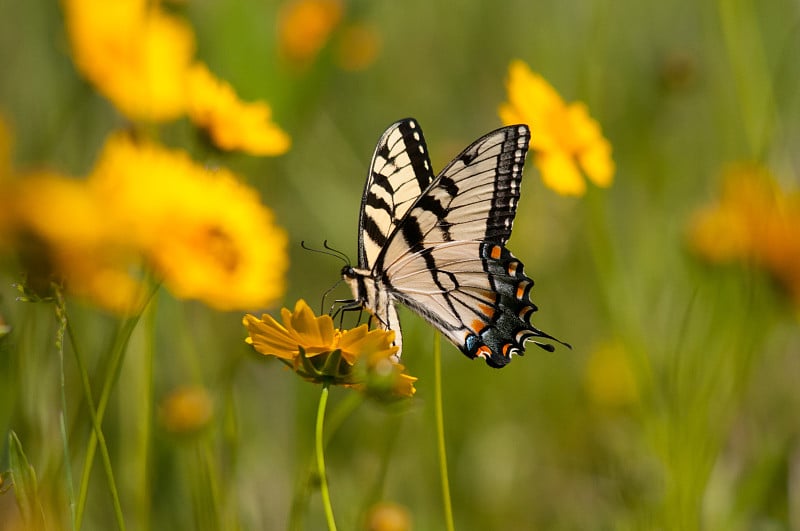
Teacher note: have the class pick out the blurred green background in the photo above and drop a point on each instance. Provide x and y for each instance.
(677, 407)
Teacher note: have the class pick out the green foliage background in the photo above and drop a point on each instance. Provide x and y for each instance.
(681, 89)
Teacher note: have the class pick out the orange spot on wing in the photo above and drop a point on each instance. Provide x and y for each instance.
(477, 326)
(521, 289)
(505, 349)
(484, 352)
(496, 251)
(487, 310)
(512, 268)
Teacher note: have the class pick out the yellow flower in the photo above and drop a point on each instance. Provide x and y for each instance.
(134, 54)
(358, 358)
(388, 516)
(564, 138)
(141, 59)
(186, 410)
(60, 231)
(232, 124)
(304, 27)
(357, 47)
(610, 380)
(205, 233)
(754, 220)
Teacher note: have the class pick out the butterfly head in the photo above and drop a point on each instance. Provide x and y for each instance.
(348, 272)
(357, 279)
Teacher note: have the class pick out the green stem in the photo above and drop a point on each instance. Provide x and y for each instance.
(98, 437)
(61, 315)
(118, 350)
(752, 78)
(144, 440)
(344, 408)
(437, 382)
(319, 444)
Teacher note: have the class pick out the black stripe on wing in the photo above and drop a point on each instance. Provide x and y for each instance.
(480, 163)
(400, 170)
(473, 199)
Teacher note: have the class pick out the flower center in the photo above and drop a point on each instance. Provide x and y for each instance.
(222, 248)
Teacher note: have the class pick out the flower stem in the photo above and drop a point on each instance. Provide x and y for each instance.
(437, 382)
(319, 444)
(97, 436)
(344, 408)
(144, 439)
(117, 356)
(61, 315)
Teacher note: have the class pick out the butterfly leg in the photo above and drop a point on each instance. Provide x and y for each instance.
(346, 305)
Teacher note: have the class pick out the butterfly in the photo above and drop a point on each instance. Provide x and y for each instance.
(437, 244)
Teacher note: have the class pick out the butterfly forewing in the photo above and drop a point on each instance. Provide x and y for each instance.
(399, 172)
(473, 198)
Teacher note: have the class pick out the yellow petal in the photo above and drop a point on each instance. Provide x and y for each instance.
(583, 129)
(596, 161)
(404, 386)
(315, 334)
(268, 337)
(560, 173)
(533, 97)
(232, 124)
(359, 342)
(509, 115)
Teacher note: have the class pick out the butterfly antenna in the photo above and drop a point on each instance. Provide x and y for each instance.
(337, 251)
(336, 254)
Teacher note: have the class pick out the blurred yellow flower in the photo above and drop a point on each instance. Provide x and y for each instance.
(564, 138)
(304, 27)
(141, 58)
(321, 353)
(60, 231)
(231, 123)
(753, 221)
(205, 233)
(357, 47)
(610, 380)
(388, 516)
(135, 54)
(186, 410)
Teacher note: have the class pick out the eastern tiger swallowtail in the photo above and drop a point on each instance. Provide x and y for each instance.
(437, 245)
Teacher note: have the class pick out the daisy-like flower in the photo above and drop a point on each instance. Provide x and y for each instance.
(755, 221)
(134, 54)
(186, 410)
(359, 358)
(357, 47)
(565, 140)
(304, 27)
(609, 378)
(142, 60)
(231, 123)
(205, 233)
(84, 253)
